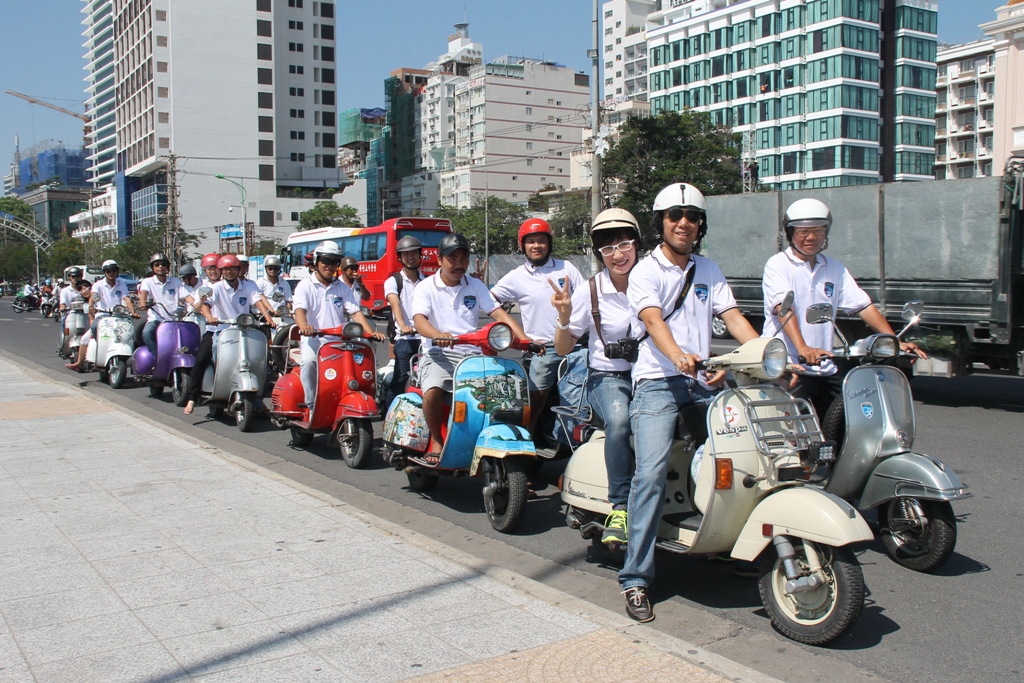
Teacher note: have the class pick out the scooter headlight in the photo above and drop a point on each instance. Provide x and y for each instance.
(119, 310)
(500, 337)
(245, 320)
(774, 360)
(884, 346)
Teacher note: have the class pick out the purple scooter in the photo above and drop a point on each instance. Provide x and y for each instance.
(177, 342)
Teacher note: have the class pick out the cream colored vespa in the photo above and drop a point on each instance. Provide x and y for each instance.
(750, 498)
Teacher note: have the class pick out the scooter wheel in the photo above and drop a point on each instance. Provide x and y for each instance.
(246, 415)
(918, 534)
(301, 438)
(506, 488)
(156, 390)
(179, 389)
(355, 439)
(117, 371)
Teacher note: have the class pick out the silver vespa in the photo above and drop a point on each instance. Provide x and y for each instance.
(873, 421)
(72, 326)
(235, 380)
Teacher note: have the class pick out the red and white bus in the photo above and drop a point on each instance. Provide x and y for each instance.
(374, 248)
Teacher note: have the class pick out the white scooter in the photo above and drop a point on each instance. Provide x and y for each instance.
(235, 380)
(750, 498)
(72, 326)
(110, 350)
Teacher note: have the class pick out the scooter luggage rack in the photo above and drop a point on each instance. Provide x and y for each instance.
(774, 442)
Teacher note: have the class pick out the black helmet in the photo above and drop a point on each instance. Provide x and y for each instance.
(159, 256)
(75, 273)
(187, 269)
(409, 243)
(452, 242)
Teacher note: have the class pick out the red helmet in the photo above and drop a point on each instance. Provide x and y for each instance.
(310, 259)
(210, 260)
(534, 226)
(228, 261)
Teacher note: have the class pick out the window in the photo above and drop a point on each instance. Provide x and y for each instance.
(294, 47)
(327, 75)
(327, 97)
(328, 119)
(161, 67)
(266, 148)
(266, 124)
(160, 15)
(265, 100)
(529, 162)
(263, 6)
(162, 92)
(329, 161)
(330, 140)
(165, 143)
(294, 3)
(263, 28)
(265, 76)
(264, 52)
(529, 111)
(266, 172)
(298, 135)
(529, 145)
(326, 32)
(296, 69)
(297, 113)
(298, 156)
(327, 10)
(161, 41)
(267, 217)
(297, 92)
(295, 215)
(296, 25)
(326, 54)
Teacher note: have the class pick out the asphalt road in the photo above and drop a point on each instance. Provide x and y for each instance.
(964, 623)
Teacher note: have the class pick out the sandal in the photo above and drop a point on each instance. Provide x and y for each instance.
(428, 459)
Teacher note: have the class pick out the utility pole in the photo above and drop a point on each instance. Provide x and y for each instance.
(171, 236)
(596, 201)
(748, 163)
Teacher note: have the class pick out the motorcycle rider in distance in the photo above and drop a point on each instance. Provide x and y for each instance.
(675, 294)
(528, 286)
(814, 278)
(189, 281)
(322, 301)
(164, 290)
(210, 269)
(243, 266)
(273, 282)
(407, 344)
(230, 298)
(615, 237)
(111, 291)
(445, 305)
(68, 293)
(349, 274)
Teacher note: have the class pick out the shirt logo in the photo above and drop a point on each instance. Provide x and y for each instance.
(242, 300)
(561, 282)
(469, 301)
(338, 300)
(117, 292)
(702, 292)
(171, 291)
(830, 289)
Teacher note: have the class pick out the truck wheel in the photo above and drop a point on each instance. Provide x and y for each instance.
(421, 481)
(179, 389)
(246, 415)
(505, 492)
(822, 614)
(918, 534)
(355, 439)
(117, 370)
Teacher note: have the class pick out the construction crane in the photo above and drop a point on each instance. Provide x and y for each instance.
(86, 129)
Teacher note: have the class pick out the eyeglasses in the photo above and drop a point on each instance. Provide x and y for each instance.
(818, 231)
(676, 214)
(624, 246)
(111, 270)
(161, 264)
(331, 263)
(272, 268)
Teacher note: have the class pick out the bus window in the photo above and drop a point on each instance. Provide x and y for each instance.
(351, 246)
(370, 250)
(428, 238)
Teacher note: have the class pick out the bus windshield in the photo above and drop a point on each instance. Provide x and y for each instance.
(428, 238)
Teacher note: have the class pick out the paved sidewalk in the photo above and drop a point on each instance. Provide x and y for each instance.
(139, 554)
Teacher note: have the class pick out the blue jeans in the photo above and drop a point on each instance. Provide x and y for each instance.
(149, 336)
(405, 349)
(656, 406)
(610, 396)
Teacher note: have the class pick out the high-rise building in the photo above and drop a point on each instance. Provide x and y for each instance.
(625, 49)
(49, 163)
(832, 92)
(1008, 33)
(964, 111)
(246, 91)
(99, 102)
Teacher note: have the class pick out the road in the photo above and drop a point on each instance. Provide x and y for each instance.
(964, 623)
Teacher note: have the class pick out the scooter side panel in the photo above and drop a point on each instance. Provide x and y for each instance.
(585, 480)
(803, 512)
(405, 425)
(170, 337)
(879, 424)
(502, 441)
(911, 474)
(115, 336)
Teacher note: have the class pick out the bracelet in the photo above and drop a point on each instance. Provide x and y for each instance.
(561, 327)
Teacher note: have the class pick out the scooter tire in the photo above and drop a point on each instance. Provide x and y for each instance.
(245, 417)
(117, 371)
(833, 426)
(156, 390)
(355, 442)
(421, 481)
(819, 616)
(301, 438)
(179, 387)
(505, 506)
(921, 549)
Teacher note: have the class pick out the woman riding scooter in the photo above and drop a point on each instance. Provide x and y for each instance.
(602, 309)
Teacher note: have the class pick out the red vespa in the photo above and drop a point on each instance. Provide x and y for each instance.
(345, 390)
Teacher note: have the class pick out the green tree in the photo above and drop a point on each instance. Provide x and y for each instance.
(670, 148)
(329, 214)
(17, 261)
(503, 221)
(266, 246)
(18, 209)
(133, 253)
(67, 251)
(571, 223)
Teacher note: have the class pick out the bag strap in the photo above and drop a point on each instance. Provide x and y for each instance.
(682, 295)
(595, 309)
(398, 282)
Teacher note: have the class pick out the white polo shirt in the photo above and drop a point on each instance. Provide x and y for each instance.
(325, 306)
(67, 294)
(165, 293)
(823, 281)
(107, 296)
(615, 320)
(228, 303)
(268, 288)
(529, 287)
(657, 282)
(404, 297)
(453, 309)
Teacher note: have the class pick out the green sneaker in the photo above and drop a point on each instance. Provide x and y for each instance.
(615, 527)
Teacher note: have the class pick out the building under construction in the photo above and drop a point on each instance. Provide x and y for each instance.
(47, 163)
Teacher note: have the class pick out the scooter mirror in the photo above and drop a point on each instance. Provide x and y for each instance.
(786, 307)
(912, 309)
(278, 296)
(819, 313)
(204, 292)
(352, 331)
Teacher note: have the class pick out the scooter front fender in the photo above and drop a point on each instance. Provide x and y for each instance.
(244, 382)
(912, 475)
(356, 404)
(805, 513)
(181, 360)
(502, 441)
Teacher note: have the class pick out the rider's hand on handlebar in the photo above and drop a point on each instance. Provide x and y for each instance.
(536, 348)
(444, 340)
(307, 331)
(715, 378)
(686, 363)
(811, 356)
(406, 329)
(379, 336)
(911, 347)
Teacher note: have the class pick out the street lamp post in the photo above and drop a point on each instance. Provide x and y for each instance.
(245, 221)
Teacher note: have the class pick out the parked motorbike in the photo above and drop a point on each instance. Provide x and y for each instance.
(484, 432)
(73, 325)
(876, 466)
(111, 347)
(177, 342)
(750, 497)
(235, 380)
(344, 403)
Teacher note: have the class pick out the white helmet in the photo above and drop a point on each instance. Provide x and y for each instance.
(614, 219)
(807, 213)
(243, 259)
(680, 194)
(327, 248)
(109, 263)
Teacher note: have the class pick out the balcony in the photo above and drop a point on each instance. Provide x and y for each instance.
(965, 156)
(984, 124)
(964, 75)
(966, 129)
(984, 152)
(940, 132)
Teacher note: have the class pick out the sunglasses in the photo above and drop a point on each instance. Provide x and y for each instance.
(274, 268)
(676, 214)
(817, 231)
(623, 246)
(111, 270)
(331, 263)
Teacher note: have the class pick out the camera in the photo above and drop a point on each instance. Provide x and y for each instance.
(626, 349)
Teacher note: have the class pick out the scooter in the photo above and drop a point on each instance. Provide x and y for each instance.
(47, 305)
(876, 466)
(73, 325)
(749, 497)
(111, 347)
(25, 302)
(281, 341)
(177, 343)
(485, 428)
(235, 380)
(344, 402)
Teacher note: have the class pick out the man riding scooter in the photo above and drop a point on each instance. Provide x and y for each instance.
(111, 291)
(273, 283)
(322, 301)
(70, 291)
(447, 304)
(162, 290)
(210, 270)
(398, 291)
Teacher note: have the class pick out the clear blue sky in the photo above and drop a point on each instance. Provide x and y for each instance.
(41, 50)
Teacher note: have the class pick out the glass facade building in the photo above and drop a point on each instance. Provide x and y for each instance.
(806, 80)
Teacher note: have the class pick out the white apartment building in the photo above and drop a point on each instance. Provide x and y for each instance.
(517, 123)
(99, 102)
(964, 110)
(625, 49)
(1008, 33)
(99, 221)
(242, 90)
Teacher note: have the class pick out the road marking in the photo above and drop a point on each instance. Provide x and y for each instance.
(7, 320)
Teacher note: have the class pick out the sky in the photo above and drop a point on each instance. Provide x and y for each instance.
(41, 51)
